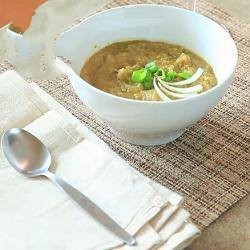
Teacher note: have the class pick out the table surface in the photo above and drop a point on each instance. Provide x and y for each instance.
(232, 230)
(240, 8)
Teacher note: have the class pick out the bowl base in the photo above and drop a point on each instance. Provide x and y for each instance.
(147, 139)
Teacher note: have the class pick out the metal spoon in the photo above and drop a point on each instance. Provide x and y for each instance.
(30, 157)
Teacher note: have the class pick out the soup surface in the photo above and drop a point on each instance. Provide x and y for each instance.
(128, 69)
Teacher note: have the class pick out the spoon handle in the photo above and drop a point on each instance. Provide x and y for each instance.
(92, 209)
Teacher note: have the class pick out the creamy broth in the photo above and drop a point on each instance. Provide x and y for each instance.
(111, 68)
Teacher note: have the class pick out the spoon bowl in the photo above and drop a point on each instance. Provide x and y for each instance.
(28, 155)
(25, 152)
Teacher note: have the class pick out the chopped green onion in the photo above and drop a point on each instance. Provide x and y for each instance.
(185, 74)
(139, 75)
(148, 81)
(151, 67)
(170, 76)
(190, 80)
(160, 73)
(148, 85)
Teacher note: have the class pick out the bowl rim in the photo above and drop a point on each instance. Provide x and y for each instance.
(213, 89)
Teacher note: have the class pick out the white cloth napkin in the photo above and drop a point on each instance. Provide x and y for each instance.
(35, 214)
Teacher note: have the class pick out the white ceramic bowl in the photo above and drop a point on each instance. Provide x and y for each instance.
(144, 122)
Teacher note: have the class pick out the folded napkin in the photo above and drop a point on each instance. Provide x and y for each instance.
(35, 214)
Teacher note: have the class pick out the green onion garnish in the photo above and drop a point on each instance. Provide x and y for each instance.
(160, 73)
(170, 76)
(145, 75)
(151, 67)
(139, 75)
(184, 74)
(148, 81)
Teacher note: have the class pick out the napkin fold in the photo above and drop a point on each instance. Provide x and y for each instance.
(35, 214)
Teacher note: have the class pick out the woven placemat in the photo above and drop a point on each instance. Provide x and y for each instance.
(209, 163)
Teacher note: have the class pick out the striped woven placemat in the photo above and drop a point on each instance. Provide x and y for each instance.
(209, 163)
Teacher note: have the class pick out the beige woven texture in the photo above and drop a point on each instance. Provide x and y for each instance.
(209, 163)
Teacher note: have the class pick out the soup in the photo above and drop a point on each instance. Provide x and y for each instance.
(147, 70)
